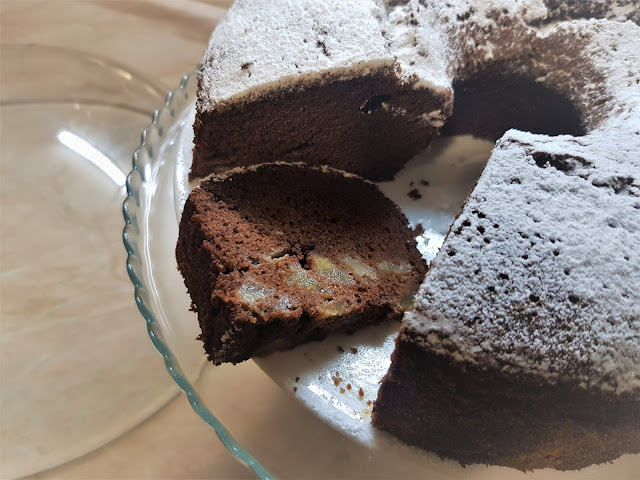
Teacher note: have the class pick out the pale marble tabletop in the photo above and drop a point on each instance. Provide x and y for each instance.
(164, 39)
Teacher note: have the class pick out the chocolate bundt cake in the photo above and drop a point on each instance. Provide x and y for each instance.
(279, 254)
(522, 348)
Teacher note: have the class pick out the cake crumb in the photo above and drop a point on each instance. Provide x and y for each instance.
(425, 183)
(354, 350)
(295, 389)
(415, 194)
(341, 390)
(349, 386)
(369, 402)
(340, 349)
(336, 379)
(412, 183)
(418, 229)
(297, 379)
(361, 392)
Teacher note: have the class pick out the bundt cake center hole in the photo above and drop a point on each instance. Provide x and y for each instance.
(486, 106)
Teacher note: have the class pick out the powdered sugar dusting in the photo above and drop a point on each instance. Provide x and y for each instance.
(418, 45)
(551, 240)
(318, 42)
(313, 39)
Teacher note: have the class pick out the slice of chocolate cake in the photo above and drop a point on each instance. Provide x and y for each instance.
(280, 254)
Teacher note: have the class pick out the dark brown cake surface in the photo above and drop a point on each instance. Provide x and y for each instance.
(521, 348)
(279, 254)
(479, 415)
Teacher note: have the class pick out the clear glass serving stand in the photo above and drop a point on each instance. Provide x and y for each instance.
(75, 367)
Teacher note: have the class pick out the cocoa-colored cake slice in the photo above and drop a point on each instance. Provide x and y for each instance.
(279, 254)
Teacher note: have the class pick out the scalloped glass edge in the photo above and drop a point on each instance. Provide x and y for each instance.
(143, 158)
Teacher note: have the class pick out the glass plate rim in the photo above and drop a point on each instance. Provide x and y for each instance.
(142, 160)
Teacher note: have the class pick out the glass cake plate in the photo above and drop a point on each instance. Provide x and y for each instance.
(76, 370)
(337, 379)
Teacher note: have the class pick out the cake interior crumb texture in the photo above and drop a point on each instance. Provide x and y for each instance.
(280, 254)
